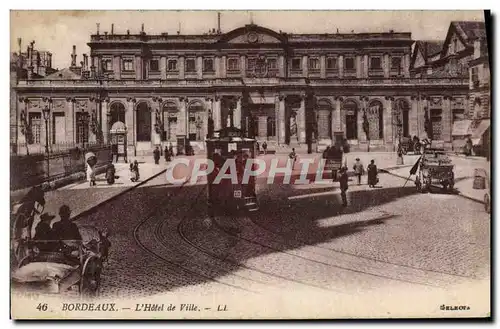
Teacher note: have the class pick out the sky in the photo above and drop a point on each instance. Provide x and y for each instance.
(58, 31)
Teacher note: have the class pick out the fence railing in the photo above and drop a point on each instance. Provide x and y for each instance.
(53, 149)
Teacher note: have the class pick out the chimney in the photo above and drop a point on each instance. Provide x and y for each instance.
(98, 28)
(73, 57)
(218, 23)
(142, 28)
(85, 62)
(112, 29)
(19, 45)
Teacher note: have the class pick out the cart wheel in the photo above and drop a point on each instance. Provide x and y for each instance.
(91, 277)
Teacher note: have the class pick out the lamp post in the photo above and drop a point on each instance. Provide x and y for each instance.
(46, 116)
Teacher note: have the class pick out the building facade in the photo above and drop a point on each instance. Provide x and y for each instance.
(287, 89)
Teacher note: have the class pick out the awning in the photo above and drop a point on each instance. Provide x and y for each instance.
(461, 128)
(479, 128)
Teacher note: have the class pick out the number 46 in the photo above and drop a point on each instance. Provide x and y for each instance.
(42, 307)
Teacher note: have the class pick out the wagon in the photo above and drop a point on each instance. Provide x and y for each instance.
(62, 266)
(435, 168)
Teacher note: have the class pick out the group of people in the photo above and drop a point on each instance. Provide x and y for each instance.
(64, 229)
(168, 152)
(359, 171)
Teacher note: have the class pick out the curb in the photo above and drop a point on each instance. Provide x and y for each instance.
(459, 193)
(94, 207)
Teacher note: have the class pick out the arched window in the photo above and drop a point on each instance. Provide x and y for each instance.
(351, 119)
(117, 112)
(170, 111)
(324, 118)
(143, 115)
(401, 112)
(374, 114)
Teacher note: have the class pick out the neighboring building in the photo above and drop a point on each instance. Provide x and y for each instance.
(288, 89)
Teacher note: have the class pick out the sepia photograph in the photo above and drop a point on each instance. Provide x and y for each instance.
(224, 164)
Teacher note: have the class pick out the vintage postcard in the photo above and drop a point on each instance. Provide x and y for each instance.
(250, 164)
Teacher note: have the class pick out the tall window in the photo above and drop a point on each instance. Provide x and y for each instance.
(331, 63)
(208, 65)
(128, 65)
(296, 64)
(190, 65)
(349, 64)
(154, 65)
(170, 121)
(313, 63)
(35, 120)
(375, 63)
(232, 64)
(436, 120)
(107, 64)
(475, 76)
(272, 63)
(82, 127)
(351, 119)
(172, 65)
(396, 64)
(271, 126)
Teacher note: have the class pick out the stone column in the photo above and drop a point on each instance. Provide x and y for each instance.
(281, 118)
(216, 112)
(182, 67)
(182, 122)
(281, 66)
(93, 108)
(237, 113)
(359, 67)
(130, 118)
(104, 120)
(217, 66)
(341, 66)
(361, 111)
(301, 120)
(163, 67)
(337, 126)
(305, 67)
(386, 65)
(322, 66)
(23, 108)
(262, 124)
(423, 106)
(447, 125)
(243, 66)
(413, 119)
(406, 67)
(117, 67)
(223, 67)
(70, 119)
(365, 66)
(138, 68)
(389, 130)
(199, 67)
(155, 136)
(92, 67)
(209, 103)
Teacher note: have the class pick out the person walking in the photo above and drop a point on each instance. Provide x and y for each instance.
(171, 150)
(343, 180)
(167, 154)
(91, 175)
(136, 170)
(358, 170)
(156, 155)
(372, 174)
(264, 147)
(293, 157)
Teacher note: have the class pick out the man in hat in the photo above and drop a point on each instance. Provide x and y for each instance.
(156, 155)
(358, 170)
(65, 229)
(44, 232)
(343, 180)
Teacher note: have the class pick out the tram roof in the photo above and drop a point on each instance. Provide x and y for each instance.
(230, 134)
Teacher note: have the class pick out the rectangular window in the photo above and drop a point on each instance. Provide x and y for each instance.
(396, 63)
(458, 114)
(313, 63)
(190, 65)
(475, 75)
(128, 65)
(154, 65)
(272, 63)
(296, 64)
(107, 65)
(375, 63)
(35, 120)
(208, 65)
(233, 64)
(250, 64)
(349, 64)
(331, 63)
(82, 127)
(436, 120)
(172, 65)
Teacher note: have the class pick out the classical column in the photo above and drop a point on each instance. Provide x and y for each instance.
(337, 125)
(182, 67)
(217, 67)
(209, 102)
(423, 106)
(104, 120)
(281, 66)
(359, 67)
(92, 67)
(361, 133)
(301, 119)
(156, 114)
(223, 67)
(281, 119)
(130, 118)
(365, 66)
(243, 66)
(322, 66)
(216, 113)
(92, 119)
(305, 67)
(341, 66)
(386, 64)
(389, 131)
(20, 123)
(163, 67)
(138, 68)
(406, 67)
(199, 67)
(237, 113)
(70, 119)
(446, 117)
(413, 117)
(117, 67)
(182, 120)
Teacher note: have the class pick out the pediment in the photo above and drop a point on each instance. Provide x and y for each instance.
(252, 34)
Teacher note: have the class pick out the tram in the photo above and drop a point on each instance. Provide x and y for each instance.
(225, 196)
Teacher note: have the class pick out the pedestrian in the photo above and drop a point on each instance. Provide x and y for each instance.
(293, 157)
(171, 150)
(372, 174)
(65, 229)
(136, 170)
(91, 175)
(264, 147)
(343, 180)
(156, 155)
(44, 232)
(358, 170)
(166, 154)
(258, 147)
(114, 151)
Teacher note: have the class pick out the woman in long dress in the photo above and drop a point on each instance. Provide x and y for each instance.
(91, 175)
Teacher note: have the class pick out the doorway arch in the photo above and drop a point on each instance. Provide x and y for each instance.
(143, 122)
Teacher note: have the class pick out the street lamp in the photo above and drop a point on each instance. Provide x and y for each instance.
(46, 116)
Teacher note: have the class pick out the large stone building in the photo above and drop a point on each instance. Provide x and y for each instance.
(288, 89)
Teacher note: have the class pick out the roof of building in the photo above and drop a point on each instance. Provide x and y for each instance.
(470, 30)
(64, 74)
